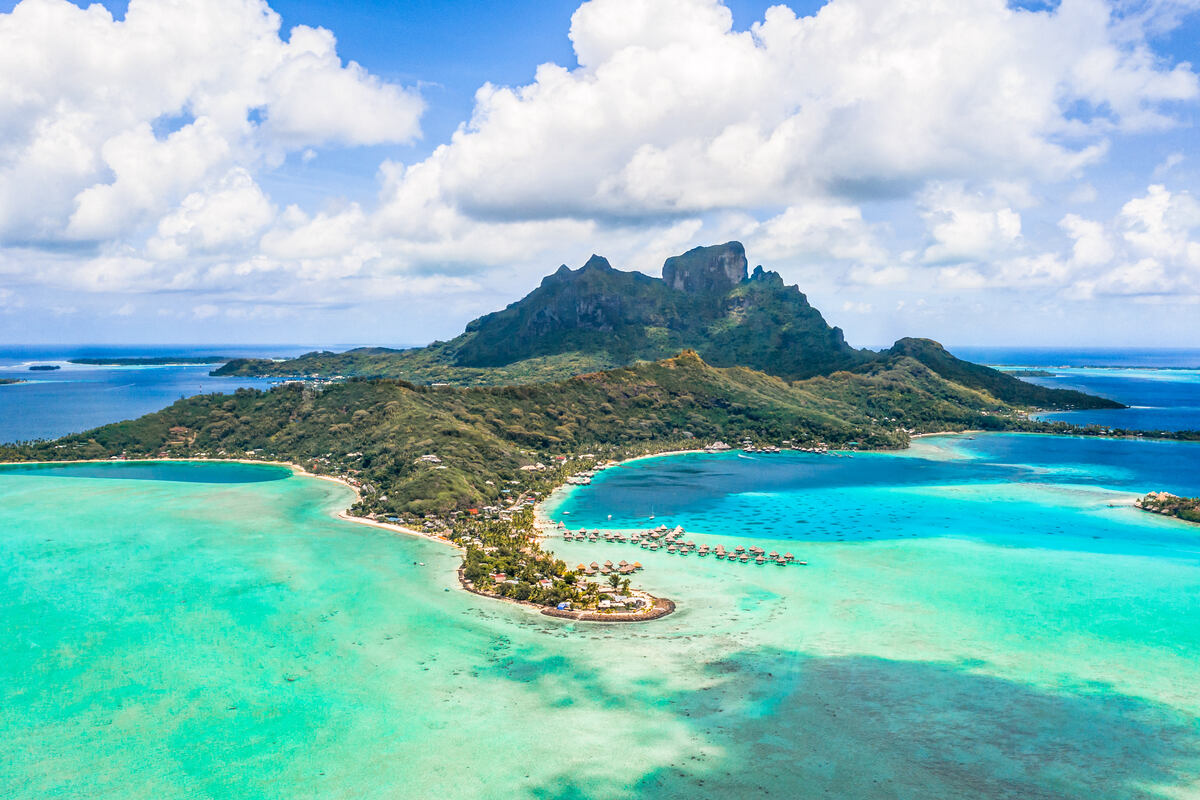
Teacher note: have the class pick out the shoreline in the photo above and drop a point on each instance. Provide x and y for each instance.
(661, 607)
(296, 469)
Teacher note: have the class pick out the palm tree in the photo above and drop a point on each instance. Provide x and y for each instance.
(614, 580)
(625, 586)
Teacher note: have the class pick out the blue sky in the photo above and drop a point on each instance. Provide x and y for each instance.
(977, 172)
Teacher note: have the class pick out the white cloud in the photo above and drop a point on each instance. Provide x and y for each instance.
(968, 226)
(818, 232)
(1169, 163)
(228, 214)
(145, 141)
(1150, 249)
(107, 124)
(671, 111)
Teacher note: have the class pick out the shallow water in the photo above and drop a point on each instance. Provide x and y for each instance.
(183, 638)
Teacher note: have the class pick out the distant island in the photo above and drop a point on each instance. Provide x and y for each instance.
(44, 367)
(1031, 373)
(1185, 508)
(150, 361)
(592, 367)
(9, 381)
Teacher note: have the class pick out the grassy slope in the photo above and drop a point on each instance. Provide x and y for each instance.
(998, 384)
(376, 429)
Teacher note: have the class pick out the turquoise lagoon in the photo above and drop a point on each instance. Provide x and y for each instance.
(980, 618)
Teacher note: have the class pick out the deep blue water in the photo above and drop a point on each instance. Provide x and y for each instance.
(1016, 489)
(78, 397)
(1158, 399)
(1160, 386)
(1173, 357)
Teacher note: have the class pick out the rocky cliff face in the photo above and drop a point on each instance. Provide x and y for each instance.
(705, 302)
(706, 270)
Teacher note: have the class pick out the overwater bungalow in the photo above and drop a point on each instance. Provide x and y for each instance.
(622, 563)
(773, 554)
(760, 560)
(739, 549)
(608, 564)
(671, 548)
(720, 554)
(744, 558)
(637, 565)
(789, 557)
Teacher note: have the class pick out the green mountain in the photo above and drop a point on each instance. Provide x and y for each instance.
(704, 301)
(377, 431)
(998, 384)
(596, 317)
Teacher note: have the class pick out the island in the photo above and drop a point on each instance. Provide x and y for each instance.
(1185, 508)
(44, 367)
(1031, 373)
(10, 381)
(150, 361)
(463, 440)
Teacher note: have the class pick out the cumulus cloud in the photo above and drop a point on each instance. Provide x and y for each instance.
(143, 142)
(820, 232)
(1152, 247)
(968, 226)
(1149, 249)
(106, 124)
(227, 214)
(671, 111)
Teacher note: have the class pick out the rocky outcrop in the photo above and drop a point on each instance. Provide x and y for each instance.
(707, 270)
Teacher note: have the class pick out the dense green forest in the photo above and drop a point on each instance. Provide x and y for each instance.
(377, 431)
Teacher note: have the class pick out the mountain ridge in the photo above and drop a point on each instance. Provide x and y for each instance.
(598, 317)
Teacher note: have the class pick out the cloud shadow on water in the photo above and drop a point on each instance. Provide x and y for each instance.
(774, 724)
